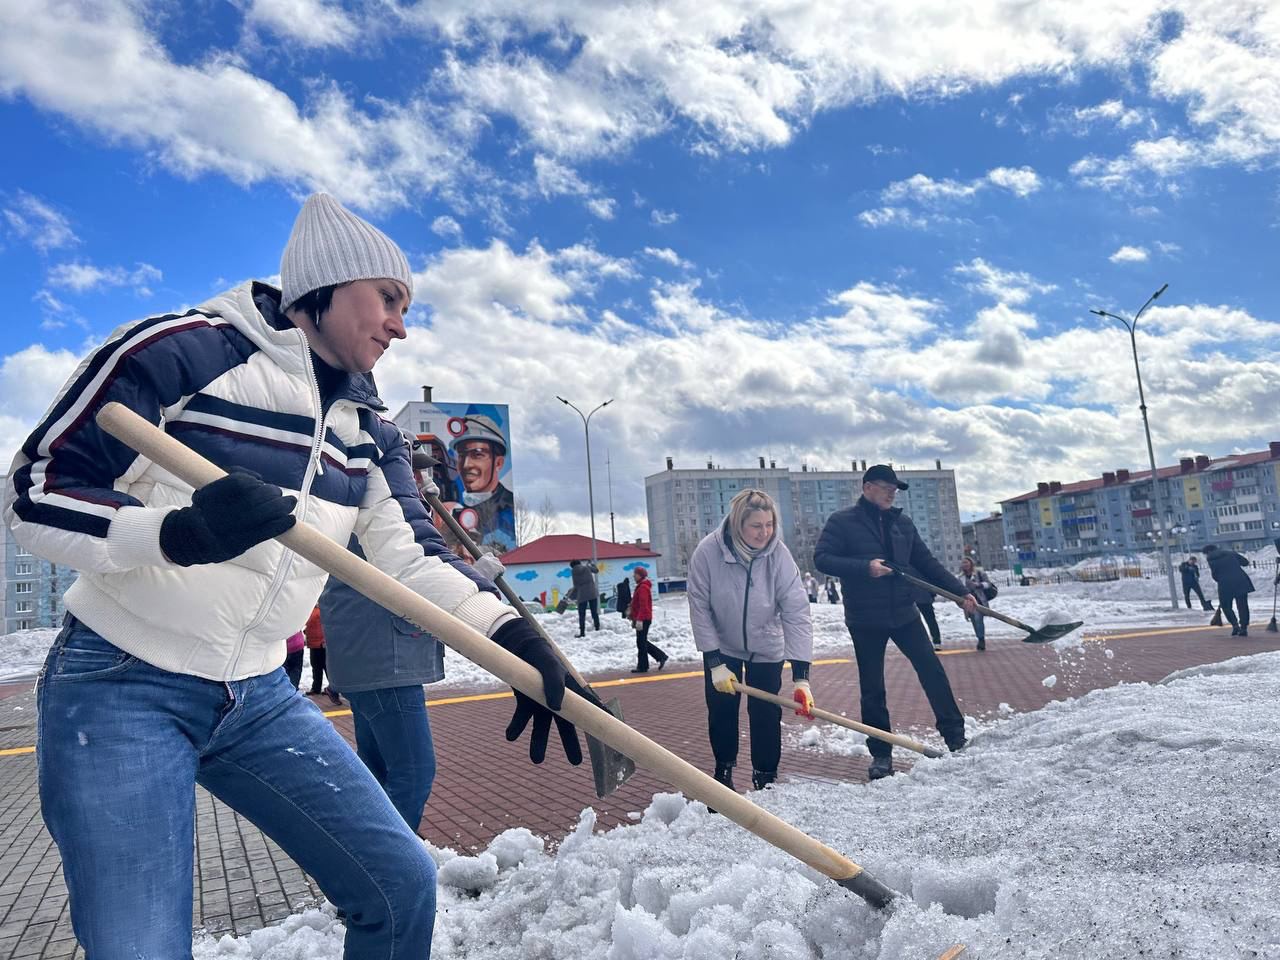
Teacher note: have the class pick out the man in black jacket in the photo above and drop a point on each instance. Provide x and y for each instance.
(1234, 586)
(879, 607)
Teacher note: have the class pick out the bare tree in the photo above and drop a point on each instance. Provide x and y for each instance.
(531, 522)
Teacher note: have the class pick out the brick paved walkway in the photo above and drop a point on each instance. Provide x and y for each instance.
(486, 785)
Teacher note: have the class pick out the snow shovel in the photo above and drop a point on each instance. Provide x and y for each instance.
(1216, 619)
(820, 714)
(1274, 587)
(610, 768)
(307, 542)
(1046, 634)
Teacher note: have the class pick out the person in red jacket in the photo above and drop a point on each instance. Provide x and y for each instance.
(314, 632)
(641, 614)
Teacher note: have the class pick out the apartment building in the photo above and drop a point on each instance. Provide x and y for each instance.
(1229, 501)
(684, 505)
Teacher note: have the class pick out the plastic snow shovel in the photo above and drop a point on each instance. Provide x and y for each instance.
(610, 768)
(820, 714)
(309, 543)
(1046, 634)
(1276, 586)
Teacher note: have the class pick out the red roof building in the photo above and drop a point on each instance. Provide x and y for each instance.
(563, 547)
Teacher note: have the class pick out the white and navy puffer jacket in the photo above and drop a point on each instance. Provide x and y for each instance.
(242, 392)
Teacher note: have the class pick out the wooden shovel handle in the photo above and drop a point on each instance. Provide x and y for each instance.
(157, 446)
(885, 735)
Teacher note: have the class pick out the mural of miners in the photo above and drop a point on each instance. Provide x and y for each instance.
(486, 506)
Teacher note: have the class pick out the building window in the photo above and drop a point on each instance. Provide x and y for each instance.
(21, 551)
(22, 606)
(25, 624)
(24, 587)
(20, 568)
(424, 426)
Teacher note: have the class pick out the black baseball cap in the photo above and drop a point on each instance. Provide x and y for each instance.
(883, 473)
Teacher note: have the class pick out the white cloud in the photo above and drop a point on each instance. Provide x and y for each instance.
(1128, 254)
(895, 217)
(38, 223)
(29, 380)
(1021, 181)
(1007, 286)
(312, 23)
(666, 255)
(556, 179)
(100, 66)
(1113, 112)
(82, 277)
(663, 218)
(446, 227)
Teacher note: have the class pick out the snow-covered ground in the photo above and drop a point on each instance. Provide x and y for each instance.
(1102, 606)
(1138, 820)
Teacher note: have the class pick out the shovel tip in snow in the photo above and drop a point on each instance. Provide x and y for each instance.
(870, 889)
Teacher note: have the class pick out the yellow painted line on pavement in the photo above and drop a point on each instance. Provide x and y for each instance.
(627, 681)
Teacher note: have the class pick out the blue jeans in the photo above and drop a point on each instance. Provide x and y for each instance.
(393, 738)
(979, 627)
(120, 747)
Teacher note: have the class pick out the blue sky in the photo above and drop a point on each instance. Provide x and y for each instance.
(801, 231)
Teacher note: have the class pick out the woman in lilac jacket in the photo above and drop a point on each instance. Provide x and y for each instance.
(750, 612)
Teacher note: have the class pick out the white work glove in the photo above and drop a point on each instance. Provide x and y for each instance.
(722, 679)
(803, 698)
(489, 567)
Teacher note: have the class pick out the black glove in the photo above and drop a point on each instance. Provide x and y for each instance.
(225, 519)
(520, 638)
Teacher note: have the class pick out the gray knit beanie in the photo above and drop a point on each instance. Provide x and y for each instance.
(331, 245)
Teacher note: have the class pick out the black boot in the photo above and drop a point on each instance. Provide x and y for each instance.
(1235, 631)
(762, 778)
(1244, 632)
(723, 774)
(880, 768)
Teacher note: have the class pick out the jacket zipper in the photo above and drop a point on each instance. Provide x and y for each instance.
(746, 595)
(282, 572)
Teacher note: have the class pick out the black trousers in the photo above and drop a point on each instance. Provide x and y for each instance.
(765, 718)
(293, 666)
(1192, 587)
(594, 604)
(869, 645)
(645, 649)
(1242, 604)
(931, 621)
(317, 669)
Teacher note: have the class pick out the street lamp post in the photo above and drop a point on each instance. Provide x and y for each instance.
(1132, 327)
(591, 497)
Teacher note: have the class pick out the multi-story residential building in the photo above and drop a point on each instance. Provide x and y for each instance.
(1228, 501)
(32, 588)
(685, 505)
(984, 542)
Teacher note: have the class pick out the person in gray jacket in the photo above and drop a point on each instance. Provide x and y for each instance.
(381, 662)
(749, 612)
(586, 592)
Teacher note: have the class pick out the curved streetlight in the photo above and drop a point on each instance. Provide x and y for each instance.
(591, 497)
(1132, 327)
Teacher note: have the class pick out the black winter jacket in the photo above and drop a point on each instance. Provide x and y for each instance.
(852, 538)
(1227, 568)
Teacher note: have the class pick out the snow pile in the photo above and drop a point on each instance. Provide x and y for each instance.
(1135, 821)
(22, 653)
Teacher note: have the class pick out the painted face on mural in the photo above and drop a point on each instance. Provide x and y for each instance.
(479, 465)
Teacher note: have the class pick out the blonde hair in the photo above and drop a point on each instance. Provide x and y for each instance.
(745, 503)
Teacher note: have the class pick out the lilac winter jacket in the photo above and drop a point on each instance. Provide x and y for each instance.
(758, 611)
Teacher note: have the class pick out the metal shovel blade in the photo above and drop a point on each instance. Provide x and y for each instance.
(1051, 631)
(610, 768)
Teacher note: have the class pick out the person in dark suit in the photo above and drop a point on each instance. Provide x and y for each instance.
(879, 607)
